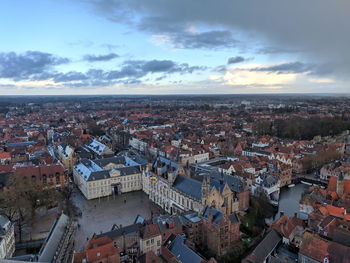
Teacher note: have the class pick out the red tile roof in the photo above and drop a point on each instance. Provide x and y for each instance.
(5, 155)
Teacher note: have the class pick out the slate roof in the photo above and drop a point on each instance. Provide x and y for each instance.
(131, 229)
(182, 252)
(217, 215)
(265, 247)
(188, 186)
(190, 216)
(106, 161)
(233, 218)
(164, 221)
(150, 230)
(269, 180)
(218, 180)
(92, 170)
(49, 248)
(163, 163)
(21, 144)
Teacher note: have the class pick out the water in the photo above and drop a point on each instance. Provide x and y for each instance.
(289, 200)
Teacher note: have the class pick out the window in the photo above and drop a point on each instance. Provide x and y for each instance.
(152, 241)
(158, 243)
(147, 242)
(98, 254)
(44, 179)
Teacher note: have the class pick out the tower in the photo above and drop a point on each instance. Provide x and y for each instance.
(205, 189)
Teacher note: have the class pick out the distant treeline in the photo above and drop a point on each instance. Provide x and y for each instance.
(302, 129)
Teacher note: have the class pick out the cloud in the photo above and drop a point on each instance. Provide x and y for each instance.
(247, 76)
(98, 58)
(287, 68)
(24, 65)
(130, 72)
(220, 69)
(69, 76)
(143, 67)
(235, 60)
(277, 50)
(320, 33)
(185, 39)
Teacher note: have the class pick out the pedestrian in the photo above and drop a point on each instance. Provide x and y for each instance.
(124, 200)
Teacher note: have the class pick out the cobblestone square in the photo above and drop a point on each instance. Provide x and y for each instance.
(99, 215)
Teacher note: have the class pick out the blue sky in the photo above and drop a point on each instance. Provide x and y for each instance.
(173, 47)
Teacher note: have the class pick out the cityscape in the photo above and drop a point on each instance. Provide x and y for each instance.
(248, 178)
(174, 131)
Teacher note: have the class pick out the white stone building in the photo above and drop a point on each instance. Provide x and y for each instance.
(99, 149)
(7, 238)
(107, 176)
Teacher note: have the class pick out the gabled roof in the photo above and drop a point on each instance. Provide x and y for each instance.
(131, 229)
(182, 252)
(150, 230)
(265, 247)
(188, 186)
(217, 215)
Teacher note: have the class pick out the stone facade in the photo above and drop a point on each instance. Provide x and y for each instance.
(7, 238)
(104, 177)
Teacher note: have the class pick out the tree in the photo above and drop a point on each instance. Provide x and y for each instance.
(22, 197)
(262, 128)
(314, 162)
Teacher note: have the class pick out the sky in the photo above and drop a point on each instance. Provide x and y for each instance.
(174, 47)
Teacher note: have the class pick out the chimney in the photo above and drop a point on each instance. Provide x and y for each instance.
(210, 214)
(296, 215)
(281, 213)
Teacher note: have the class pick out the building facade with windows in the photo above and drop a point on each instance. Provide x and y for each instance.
(7, 238)
(107, 176)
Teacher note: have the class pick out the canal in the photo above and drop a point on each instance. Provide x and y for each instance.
(289, 200)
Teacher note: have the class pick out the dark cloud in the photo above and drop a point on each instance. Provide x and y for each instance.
(130, 72)
(22, 66)
(318, 29)
(205, 40)
(235, 60)
(98, 58)
(288, 68)
(161, 66)
(278, 50)
(69, 76)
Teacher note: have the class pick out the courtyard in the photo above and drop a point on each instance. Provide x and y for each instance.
(99, 215)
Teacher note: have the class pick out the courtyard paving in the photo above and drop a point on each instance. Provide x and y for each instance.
(99, 215)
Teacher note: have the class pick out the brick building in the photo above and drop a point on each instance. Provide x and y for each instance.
(98, 250)
(51, 174)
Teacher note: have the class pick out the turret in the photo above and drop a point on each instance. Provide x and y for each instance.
(205, 189)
